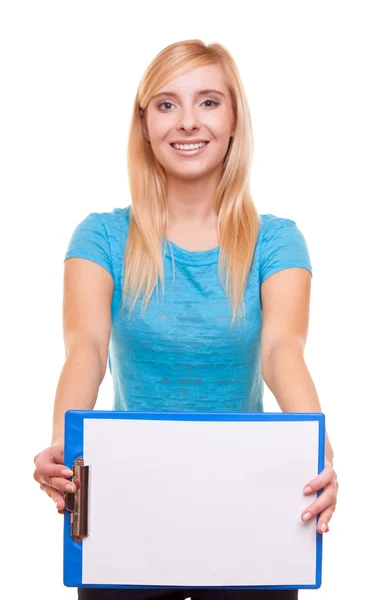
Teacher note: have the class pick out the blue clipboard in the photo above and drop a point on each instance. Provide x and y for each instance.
(150, 479)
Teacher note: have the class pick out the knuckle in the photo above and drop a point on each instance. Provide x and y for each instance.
(41, 468)
(56, 483)
(61, 485)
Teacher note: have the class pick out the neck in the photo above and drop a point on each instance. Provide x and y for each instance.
(192, 201)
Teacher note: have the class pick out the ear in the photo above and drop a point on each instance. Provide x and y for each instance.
(144, 124)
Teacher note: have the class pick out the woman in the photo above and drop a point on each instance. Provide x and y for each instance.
(192, 226)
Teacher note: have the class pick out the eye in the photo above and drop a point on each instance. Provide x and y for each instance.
(213, 102)
(161, 103)
(170, 104)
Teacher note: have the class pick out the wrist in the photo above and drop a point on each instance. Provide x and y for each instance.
(57, 442)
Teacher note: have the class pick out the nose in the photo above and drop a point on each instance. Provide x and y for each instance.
(188, 120)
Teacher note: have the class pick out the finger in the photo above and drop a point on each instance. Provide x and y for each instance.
(37, 477)
(327, 475)
(323, 521)
(55, 495)
(47, 468)
(60, 483)
(61, 507)
(327, 497)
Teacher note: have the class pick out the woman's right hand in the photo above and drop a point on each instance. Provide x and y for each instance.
(52, 475)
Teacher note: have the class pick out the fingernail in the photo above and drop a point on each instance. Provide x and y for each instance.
(306, 516)
(67, 472)
(308, 490)
(323, 527)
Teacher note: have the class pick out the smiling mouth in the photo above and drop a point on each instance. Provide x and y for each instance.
(188, 144)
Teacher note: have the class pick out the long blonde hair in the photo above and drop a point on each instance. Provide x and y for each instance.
(238, 219)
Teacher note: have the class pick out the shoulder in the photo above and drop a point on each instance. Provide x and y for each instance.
(282, 245)
(271, 224)
(100, 237)
(114, 221)
(110, 227)
(278, 231)
(118, 218)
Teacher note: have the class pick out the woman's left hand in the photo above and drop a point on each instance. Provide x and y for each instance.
(326, 502)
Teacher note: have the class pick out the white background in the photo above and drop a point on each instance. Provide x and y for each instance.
(69, 73)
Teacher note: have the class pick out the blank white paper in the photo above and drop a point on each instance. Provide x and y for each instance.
(199, 503)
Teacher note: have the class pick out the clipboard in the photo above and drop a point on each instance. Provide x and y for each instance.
(192, 500)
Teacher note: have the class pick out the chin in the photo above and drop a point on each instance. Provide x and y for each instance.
(188, 174)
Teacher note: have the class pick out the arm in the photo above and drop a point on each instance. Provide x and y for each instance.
(285, 307)
(88, 289)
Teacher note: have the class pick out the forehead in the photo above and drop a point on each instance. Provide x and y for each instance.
(202, 78)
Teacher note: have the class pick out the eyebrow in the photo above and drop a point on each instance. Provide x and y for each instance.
(199, 93)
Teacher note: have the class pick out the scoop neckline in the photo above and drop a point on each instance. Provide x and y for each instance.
(193, 257)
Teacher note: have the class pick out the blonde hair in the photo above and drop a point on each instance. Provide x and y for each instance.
(238, 219)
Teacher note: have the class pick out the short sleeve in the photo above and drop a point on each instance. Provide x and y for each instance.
(286, 247)
(90, 240)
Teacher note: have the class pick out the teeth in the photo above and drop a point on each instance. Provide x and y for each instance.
(189, 146)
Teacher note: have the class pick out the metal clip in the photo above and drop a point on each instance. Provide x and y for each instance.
(77, 502)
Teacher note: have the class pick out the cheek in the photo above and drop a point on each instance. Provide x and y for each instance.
(159, 143)
(157, 135)
(218, 122)
(158, 129)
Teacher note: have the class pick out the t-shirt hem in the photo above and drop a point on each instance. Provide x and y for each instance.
(88, 257)
(287, 266)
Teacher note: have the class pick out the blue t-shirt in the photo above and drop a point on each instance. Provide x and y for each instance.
(182, 354)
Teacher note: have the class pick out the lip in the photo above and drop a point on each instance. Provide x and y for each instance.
(197, 141)
(189, 153)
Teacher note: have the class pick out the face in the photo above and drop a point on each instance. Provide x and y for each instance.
(182, 112)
